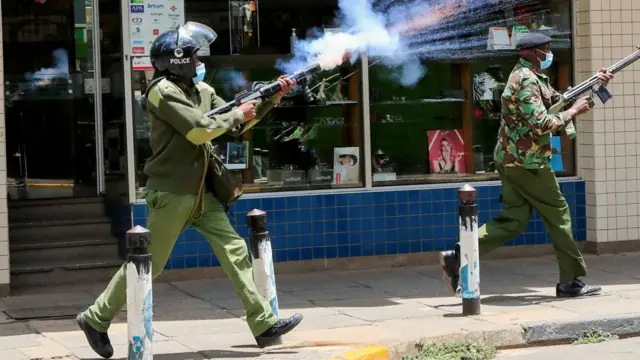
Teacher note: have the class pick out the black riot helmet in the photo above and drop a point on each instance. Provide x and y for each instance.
(173, 53)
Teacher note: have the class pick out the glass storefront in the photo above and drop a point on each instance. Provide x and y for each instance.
(356, 126)
(63, 98)
(445, 128)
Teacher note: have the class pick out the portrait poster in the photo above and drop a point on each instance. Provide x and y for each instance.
(346, 165)
(446, 151)
(237, 155)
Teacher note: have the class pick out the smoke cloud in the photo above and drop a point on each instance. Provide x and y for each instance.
(400, 34)
(233, 80)
(60, 69)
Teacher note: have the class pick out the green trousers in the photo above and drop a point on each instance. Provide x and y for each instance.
(522, 191)
(169, 215)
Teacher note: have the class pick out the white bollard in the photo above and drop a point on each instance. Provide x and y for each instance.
(139, 295)
(469, 251)
(262, 259)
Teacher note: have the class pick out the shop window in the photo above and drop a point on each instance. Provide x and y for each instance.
(313, 139)
(445, 127)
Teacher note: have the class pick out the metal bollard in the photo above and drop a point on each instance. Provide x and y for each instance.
(139, 294)
(262, 258)
(469, 251)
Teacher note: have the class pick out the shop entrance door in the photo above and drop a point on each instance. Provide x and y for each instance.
(59, 88)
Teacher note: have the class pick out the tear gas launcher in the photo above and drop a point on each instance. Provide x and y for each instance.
(266, 91)
(593, 85)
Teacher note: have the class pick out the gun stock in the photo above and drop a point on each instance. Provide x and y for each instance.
(558, 107)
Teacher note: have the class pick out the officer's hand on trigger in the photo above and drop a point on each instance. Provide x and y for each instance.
(248, 110)
(582, 105)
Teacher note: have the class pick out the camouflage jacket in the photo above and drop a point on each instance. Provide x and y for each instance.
(524, 138)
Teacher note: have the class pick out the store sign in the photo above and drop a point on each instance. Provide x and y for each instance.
(149, 19)
(142, 63)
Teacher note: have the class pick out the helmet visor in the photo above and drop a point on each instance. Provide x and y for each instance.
(194, 32)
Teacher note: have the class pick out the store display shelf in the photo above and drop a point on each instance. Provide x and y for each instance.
(261, 188)
(418, 101)
(320, 104)
(269, 126)
(437, 178)
(383, 121)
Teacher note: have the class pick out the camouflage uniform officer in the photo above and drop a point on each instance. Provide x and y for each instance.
(522, 156)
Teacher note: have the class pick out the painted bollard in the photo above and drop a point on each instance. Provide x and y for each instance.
(262, 258)
(469, 251)
(139, 294)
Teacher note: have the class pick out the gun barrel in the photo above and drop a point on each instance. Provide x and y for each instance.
(310, 70)
(588, 84)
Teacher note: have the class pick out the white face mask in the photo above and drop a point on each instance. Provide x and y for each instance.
(200, 72)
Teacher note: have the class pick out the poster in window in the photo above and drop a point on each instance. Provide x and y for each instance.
(346, 165)
(557, 164)
(237, 155)
(446, 151)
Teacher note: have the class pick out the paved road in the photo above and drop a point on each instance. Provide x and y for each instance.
(204, 319)
(628, 349)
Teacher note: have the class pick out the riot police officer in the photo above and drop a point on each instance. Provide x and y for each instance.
(177, 98)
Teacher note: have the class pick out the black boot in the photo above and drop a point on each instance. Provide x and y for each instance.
(450, 261)
(99, 341)
(282, 327)
(576, 288)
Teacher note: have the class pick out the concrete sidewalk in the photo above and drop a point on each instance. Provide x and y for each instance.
(344, 310)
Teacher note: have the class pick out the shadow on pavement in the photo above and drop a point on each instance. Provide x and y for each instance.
(210, 309)
(208, 354)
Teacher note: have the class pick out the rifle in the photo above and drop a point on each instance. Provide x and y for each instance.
(594, 86)
(264, 92)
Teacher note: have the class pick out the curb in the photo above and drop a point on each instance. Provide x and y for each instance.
(371, 352)
(619, 325)
(507, 336)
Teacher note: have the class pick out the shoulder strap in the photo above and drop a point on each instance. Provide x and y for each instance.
(152, 83)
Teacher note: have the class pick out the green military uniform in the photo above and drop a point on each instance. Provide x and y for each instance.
(177, 198)
(522, 157)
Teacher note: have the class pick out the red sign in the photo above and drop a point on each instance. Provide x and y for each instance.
(156, 32)
(138, 50)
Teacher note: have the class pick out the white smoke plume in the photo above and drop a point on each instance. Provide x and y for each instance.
(400, 33)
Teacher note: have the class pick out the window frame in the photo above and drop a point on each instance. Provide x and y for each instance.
(366, 145)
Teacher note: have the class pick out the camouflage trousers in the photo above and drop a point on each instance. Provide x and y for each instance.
(522, 191)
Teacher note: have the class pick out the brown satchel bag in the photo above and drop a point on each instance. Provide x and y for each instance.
(223, 184)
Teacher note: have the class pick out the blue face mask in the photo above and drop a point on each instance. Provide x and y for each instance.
(200, 71)
(546, 63)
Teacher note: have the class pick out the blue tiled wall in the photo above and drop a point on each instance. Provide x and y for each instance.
(365, 224)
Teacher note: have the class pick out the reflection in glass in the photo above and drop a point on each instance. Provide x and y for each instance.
(294, 146)
(446, 126)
